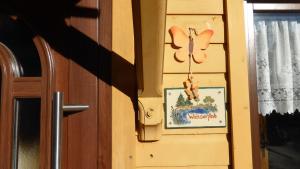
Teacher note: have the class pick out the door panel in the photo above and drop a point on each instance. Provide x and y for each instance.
(83, 89)
(74, 69)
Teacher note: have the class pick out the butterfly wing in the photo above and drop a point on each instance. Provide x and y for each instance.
(201, 44)
(181, 54)
(204, 38)
(181, 41)
(179, 38)
(199, 56)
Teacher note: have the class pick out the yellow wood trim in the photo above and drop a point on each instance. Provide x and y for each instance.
(123, 117)
(205, 80)
(239, 89)
(186, 167)
(215, 62)
(222, 130)
(195, 7)
(187, 150)
(199, 22)
(153, 15)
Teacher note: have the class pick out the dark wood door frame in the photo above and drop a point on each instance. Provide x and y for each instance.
(250, 9)
(25, 87)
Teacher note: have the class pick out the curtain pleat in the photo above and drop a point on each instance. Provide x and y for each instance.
(277, 41)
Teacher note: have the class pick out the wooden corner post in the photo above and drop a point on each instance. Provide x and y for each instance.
(239, 88)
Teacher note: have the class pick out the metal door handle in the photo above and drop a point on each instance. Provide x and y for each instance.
(57, 118)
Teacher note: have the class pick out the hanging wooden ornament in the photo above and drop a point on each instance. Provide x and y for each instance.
(192, 47)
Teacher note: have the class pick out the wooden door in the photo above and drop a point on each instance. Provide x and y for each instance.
(25, 96)
(81, 50)
(73, 55)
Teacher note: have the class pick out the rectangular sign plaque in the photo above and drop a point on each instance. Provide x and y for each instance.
(207, 111)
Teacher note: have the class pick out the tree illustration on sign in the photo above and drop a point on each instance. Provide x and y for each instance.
(180, 101)
(208, 100)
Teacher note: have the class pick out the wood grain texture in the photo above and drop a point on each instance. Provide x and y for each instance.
(187, 150)
(186, 167)
(83, 89)
(104, 87)
(205, 80)
(47, 87)
(214, 63)
(199, 22)
(27, 87)
(255, 128)
(124, 86)
(238, 84)
(6, 115)
(195, 7)
(197, 131)
(61, 83)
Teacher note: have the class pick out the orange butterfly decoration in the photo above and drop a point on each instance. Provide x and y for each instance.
(191, 46)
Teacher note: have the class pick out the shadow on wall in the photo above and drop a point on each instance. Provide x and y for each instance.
(48, 19)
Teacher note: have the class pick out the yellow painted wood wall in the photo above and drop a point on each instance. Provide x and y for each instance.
(226, 66)
(123, 115)
(199, 148)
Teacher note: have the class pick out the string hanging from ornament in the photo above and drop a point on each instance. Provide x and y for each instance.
(191, 87)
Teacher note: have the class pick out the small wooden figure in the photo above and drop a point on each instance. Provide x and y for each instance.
(191, 88)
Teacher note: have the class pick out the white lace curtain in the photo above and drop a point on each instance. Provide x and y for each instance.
(277, 41)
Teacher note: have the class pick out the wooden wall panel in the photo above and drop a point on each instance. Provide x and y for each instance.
(198, 148)
(123, 90)
(188, 167)
(239, 85)
(199, 22)
(105, 88)
(187, 150)
(195, 7)
(206, 80)
(83, 89)
(215, 62)
(196, 131)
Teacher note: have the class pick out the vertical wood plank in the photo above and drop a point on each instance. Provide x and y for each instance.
(255, 128)
(62, 84)
(239, 88)
(6, 114)
(104, 86)
(83, 89)
(123, 90)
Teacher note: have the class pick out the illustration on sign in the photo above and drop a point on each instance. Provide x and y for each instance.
(207, 111)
